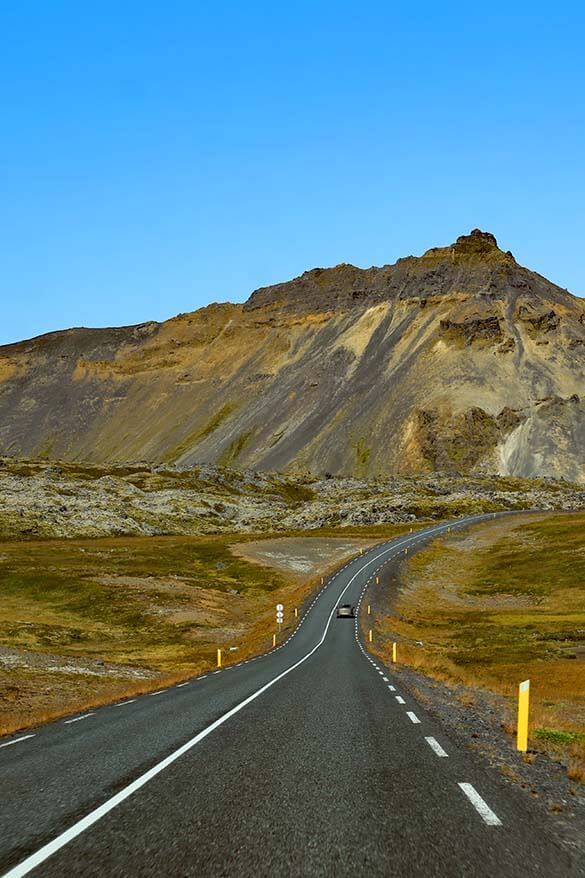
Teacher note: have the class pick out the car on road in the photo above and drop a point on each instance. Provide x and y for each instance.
(345, 611)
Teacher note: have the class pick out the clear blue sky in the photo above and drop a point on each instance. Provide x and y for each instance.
(157, 156)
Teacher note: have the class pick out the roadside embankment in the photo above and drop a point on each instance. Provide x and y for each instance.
(475, 613)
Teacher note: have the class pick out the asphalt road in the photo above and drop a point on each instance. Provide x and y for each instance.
(306, 761)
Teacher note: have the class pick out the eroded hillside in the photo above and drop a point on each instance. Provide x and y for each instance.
(458, 361)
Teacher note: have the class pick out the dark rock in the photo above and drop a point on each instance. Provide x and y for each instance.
(477, 238)
(473, 329)
(508, 419)
(473, 264)
(546, 322)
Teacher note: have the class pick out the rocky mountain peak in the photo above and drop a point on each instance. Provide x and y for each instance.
(477, 240)
(472, 264)
(477, 246)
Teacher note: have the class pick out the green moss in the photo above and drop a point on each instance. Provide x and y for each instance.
(200, 432)
(234, 449)
(47, 450)
(362, 455)
(296, 493)
(558, 736)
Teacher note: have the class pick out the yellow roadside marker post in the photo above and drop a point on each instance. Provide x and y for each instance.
(219, 658)
(523, 705)
(273, 640)
(321, 580)
(369, 610)
(394, 653)
(296, 613)
(370, 635)
(377, 580)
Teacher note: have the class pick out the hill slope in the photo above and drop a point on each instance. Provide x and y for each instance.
(458, 360)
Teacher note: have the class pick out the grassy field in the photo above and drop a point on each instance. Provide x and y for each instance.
(86, 621)
(147, 608)
(500, 604)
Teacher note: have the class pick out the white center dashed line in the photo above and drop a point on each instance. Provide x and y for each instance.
(180, 685)
(400, 699)
(124, 703)
(412, 716)
(160, 692)
(68, 722)
(17, 740)
(482, 808)
(434, 745)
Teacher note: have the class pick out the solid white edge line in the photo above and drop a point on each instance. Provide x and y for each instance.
(34, 860)
(434, 745)
(17, 740)
(482, 808)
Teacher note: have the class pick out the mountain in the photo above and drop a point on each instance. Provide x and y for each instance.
(460, 360)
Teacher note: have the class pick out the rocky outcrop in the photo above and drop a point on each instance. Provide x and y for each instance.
(473, 329)
(39, 500)
(548, 321)
(456, 443)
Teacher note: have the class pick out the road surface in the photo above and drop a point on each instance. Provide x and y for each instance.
(306, 761)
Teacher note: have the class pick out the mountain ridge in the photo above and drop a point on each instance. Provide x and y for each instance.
(473, 259)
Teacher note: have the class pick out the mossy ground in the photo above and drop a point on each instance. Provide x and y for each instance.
(162, 604)
(501, 604)
(103, 597)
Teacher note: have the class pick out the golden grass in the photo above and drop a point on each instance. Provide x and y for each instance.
(576, 769)
(497, 605)
(256, 640)
(70, 702)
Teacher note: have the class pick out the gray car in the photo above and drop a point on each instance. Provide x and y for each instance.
(345, 611)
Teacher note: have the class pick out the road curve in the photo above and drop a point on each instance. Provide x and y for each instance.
(305, 761)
